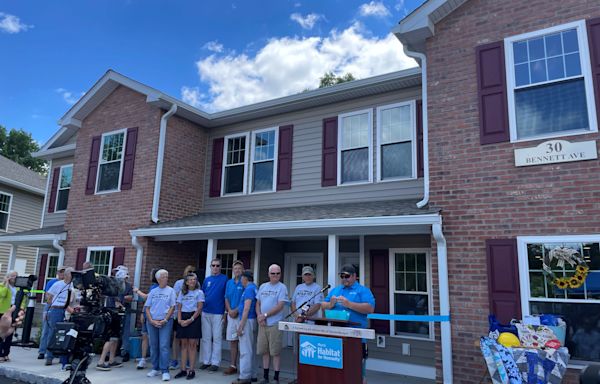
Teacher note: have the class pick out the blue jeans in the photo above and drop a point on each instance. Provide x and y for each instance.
(160, 345)
(55, 315)
(126, 332)
(45, 334)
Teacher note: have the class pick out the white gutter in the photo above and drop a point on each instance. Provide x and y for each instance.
(46, 194)
(423, 58)
(444, 292)
(160, 160)
(61, 251)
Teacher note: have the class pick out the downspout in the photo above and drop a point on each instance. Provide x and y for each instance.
(160, 161)
(423, 58)
(61, 251)
(446, 333)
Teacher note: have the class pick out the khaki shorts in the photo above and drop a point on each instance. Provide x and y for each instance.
(269, 340)
(232, 327)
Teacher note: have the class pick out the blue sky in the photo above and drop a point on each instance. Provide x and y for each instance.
(212, 54)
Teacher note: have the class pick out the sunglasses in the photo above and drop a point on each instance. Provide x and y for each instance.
(215, 265)
(344, 275)
(275, 273)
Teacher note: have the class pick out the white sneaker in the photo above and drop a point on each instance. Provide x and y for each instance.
(141, 363)
(153, 373)
(166, 376)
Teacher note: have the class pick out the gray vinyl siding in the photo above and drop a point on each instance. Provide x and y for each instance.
(55, 218)
(306, 161)
(25, 215)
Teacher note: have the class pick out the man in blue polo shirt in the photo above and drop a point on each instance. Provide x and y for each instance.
(212, 317)
(233, 293)
(354, 298)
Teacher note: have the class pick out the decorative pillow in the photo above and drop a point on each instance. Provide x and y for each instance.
(534, 336)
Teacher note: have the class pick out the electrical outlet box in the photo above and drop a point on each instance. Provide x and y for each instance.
(380, 341)
(406, 349)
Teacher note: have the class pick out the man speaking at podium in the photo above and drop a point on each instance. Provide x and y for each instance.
(357, 299)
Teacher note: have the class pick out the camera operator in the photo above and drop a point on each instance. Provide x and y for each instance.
(58, 298)
(122, 273)
(8, 291)
(60, 275)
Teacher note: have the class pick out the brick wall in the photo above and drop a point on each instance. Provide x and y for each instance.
(482, 194)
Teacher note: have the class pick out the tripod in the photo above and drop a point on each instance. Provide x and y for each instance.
(79, 365)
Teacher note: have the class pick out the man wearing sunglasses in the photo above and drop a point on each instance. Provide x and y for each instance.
(212, 317)
(354, 298)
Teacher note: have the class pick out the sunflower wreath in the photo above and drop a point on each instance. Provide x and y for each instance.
(569, 256)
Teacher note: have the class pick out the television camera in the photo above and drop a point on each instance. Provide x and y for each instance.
(93, 320)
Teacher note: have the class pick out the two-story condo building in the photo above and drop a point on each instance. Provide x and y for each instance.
(512, 103)
(323, 178)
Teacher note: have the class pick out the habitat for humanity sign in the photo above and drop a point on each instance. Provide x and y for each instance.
(322, 351)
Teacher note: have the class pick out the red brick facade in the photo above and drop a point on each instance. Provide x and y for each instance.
(481, 192)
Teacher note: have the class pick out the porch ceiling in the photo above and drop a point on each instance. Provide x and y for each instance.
(365, 218)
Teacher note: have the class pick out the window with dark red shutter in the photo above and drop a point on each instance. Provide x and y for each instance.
(129, 158)
(503, 279)
(284, 158)
(380, 286)
(329, 158)
(118, 257)
(53, 189)
(216, 167)
(81, 256)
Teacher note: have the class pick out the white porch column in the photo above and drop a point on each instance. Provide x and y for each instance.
(12, 257)
(442, 259)
(256, 261)
(361, 258)
(332, 259)
(211, 253)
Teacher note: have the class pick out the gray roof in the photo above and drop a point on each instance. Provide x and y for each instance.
(36, 232)
(313, 212)
(21, 177)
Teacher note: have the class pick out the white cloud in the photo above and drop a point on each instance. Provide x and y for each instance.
(12, 24)
(290, 65)
(214, 46)
(399, 5)
(374, 8)
(68, 96)
(306, 22)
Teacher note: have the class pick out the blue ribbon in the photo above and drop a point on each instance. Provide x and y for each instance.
(380, 316)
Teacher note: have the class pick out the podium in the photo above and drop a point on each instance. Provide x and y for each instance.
(329, 350)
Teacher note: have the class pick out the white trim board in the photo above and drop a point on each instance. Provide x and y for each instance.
(399, 368)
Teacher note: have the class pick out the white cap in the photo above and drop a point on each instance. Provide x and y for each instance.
(121, 274)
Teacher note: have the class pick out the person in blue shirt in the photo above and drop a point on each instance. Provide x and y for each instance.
(246, 330)
(213, 317)
(60, 275)
(233, 293)
(354, 298)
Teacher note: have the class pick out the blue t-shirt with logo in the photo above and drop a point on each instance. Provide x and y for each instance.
(233, 292)
(214, 291)
(249, 293)
(356, 293)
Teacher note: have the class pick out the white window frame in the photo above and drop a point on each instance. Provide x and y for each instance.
(244, 181)
(124, 131)
(233, 252)
(275, 158)
(586, 72)
(392, 280)
(10, 195)
(99, 248)
(413, 139)
(339, 147)
(58, 189)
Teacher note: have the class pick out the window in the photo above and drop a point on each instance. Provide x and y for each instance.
(579, 306)
(550, 90)
(101, 259)
(396, 146)
(5, 200)
(354, 154)
(410, 279)
(64, 186)
(51, 268)
(264, 163)
(227, 258)
(111, 162)
(234, 164)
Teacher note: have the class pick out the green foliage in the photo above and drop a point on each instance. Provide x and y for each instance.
(18, 146)
(330, 79)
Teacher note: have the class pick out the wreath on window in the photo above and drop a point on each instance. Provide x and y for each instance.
(565, 255)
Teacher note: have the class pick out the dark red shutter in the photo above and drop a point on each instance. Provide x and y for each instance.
(244, 256)
(118, 257)
(90, 185)
(503, 279)
(54, 189)
(216, 167)
(129, 158)
(329, 160)
(42, 271)
(491, 81)
(420, 148)
(593, 27)
(380, 286)
(284, 158)
(81, 256)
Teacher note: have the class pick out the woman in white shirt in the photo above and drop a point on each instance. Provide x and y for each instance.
(189, 308)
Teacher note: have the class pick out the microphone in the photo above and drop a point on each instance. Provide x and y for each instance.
(325, 288)
(308, 301)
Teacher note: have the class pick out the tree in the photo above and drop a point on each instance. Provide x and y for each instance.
(18, 145)
(330, 79)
